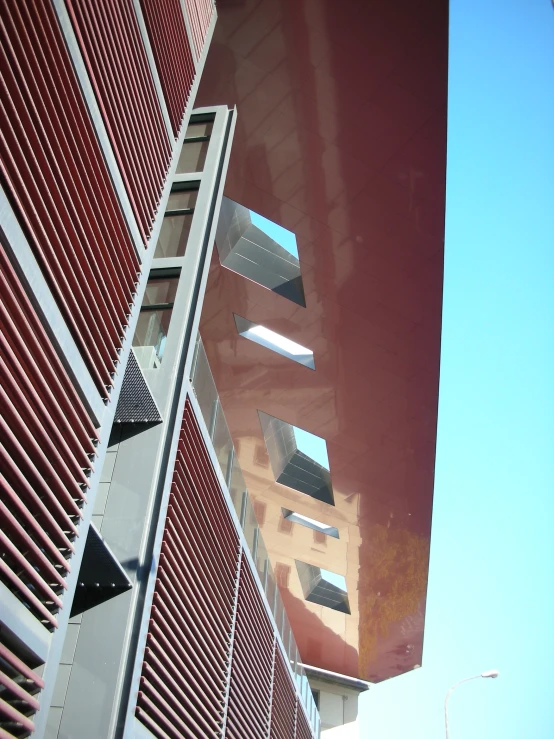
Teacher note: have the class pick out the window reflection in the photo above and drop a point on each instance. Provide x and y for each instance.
(195, 146)
(173, 238)
(153, 322)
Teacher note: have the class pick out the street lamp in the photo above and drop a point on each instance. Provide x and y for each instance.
(488, 673)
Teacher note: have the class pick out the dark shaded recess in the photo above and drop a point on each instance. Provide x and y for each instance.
(101, 577)
(292, 290)
(306, 476)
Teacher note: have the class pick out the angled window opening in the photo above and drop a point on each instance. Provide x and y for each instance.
(310, 523)
(298, 458)
(272, 340)
(323, 587)
(260, 250)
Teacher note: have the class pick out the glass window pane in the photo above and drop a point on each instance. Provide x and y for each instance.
(250, 524)
(192, 157)
(222, 441)
(182, 199)
(270, 587)
(199, 129)
(150, 337)
(159, 291)
(261, 559)
(238, 486)
(204, 386)
(173, 238)
(153, 325)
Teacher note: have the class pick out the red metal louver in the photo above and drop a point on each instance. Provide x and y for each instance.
(185, 664)
(111, 44)
(252, 665)
(46, 446)
(199, 14)
(54, 173)
(283, 707)
(19, 685)
(171, 48)
(191, 640)
(303, 730)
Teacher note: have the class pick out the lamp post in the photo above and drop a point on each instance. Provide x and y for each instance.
(489, 673)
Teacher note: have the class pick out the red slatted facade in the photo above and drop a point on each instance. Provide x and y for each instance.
(303, 730)
(185, 673)
(117, 64)
(55, 175)
(199, 13)
(46, 446)
(253, 656)
(171, 48)
(283, 708)
(19, 685)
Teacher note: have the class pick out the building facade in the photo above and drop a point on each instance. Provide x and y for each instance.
(221, 261)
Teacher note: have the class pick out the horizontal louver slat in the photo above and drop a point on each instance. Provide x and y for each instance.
(19, 688)
(185, 664)
(170, 45)
(111, 44)
(41, 488)
(54, 173)
(199, 14)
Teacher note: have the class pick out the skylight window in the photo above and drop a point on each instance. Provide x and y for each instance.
(310, 523)
(280, 235)
(274, 341)
(298, 458)
(323, 587)
(260, 250)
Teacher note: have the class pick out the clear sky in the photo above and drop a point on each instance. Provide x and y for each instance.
(491, 587)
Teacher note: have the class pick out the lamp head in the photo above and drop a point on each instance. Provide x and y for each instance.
(490, 673)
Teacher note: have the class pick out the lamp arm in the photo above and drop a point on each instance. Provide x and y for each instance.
(452, 689)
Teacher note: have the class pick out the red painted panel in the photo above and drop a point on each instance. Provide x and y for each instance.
(116, 60)
(341, 138)
(54, 173)
(171, 48)
(199, 13)
(46, 447)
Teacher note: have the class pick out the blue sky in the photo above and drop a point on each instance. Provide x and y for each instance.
(281, 235)
(491, 586)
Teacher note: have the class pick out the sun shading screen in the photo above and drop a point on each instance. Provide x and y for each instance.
(310, 523)
(323, 587)
(274, 341)
(298, 458)
(260, 250)
(19, 690)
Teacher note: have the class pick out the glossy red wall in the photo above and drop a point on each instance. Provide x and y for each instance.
(341, 138)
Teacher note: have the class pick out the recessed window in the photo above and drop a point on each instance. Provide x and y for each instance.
(323, 587)
(310, 523)
(260, 250)
(154, 318)
(274, 341)
(298, 458)
(173, 238)
(195, 146)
